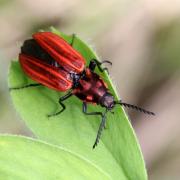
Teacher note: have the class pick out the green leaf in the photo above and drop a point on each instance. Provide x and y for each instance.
(118, 152)
(25, 158)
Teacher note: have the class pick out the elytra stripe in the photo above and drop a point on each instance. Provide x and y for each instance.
(35, 64)
(47, 75)
(48, 80)
(53, 39)
(61, 51)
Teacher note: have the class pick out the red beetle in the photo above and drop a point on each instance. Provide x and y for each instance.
(52, 62)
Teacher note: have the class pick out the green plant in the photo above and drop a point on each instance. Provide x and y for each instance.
(62, 148)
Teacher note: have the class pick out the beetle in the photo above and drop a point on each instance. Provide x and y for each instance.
(51, 61)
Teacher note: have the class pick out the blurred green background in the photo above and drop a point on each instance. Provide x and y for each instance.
(141, 38)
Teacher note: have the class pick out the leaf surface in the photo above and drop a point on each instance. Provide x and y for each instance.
(25, 158)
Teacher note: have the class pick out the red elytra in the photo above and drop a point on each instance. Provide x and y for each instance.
(60, 51)
(45, 74)
(51, 61)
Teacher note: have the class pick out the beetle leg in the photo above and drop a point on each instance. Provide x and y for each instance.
(84, 108)
(26, 86)
(95, 62)
(91, 113)
(73, 38)
(102, 125)
(61, 99)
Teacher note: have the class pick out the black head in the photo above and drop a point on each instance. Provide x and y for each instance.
(107, 101)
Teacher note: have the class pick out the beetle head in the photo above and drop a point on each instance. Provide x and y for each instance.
(107, 101)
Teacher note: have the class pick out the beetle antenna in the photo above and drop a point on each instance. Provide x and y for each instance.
(101, 127)
(134, 107)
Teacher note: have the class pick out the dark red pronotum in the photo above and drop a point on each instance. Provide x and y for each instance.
(52, 62)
